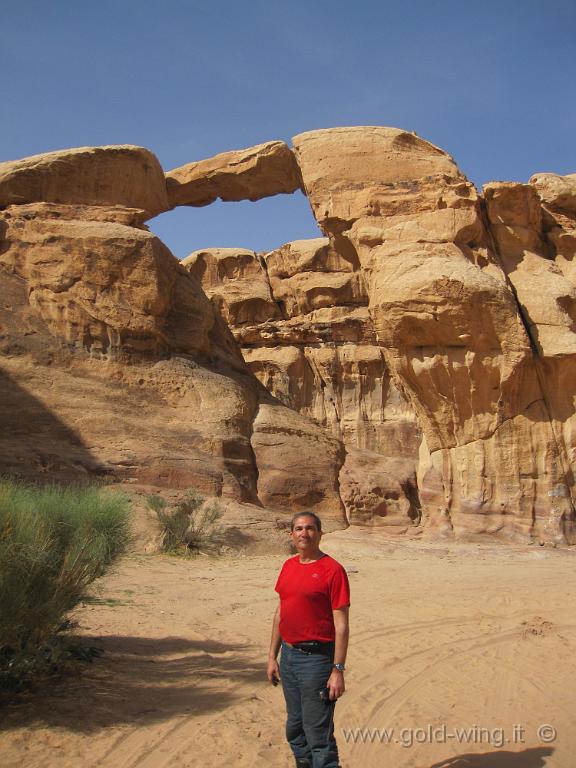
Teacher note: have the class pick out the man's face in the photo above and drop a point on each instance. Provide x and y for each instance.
(305, 535)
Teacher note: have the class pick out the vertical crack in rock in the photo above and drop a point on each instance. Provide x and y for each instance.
(448, 322)
(514, 216)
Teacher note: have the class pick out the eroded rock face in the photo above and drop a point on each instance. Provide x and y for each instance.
(449, 324)
(111, 345)
(547, 299)
(246, 174)
(104, 287)
(557, 193)
(300, 315)
(413, 370)
(113, 361)
(380, 491)
(236, 282)
(95, 176)
(298, 463)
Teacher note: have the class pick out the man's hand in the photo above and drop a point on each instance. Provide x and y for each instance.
(335, 682)
(335, 685)
(273, 672)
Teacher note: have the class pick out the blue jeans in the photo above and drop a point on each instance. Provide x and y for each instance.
(310, 720)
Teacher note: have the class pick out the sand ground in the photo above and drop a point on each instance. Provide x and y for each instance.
(461, 652)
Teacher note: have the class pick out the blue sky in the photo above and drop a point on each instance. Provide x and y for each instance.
(492, 83)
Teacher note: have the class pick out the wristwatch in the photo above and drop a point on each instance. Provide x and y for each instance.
(339, 667)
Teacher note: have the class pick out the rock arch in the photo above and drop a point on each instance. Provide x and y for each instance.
(465, 301)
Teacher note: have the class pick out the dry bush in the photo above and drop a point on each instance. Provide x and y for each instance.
(190, 525)
(54, 542)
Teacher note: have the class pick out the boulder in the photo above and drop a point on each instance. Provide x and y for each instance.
(298, 464)
(95, 176)
(300, 256)
(387, 160)
(556, 192)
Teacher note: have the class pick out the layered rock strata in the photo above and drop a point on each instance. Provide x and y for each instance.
(119, 366)
(412, 369)
(300, 315)
(454, 337)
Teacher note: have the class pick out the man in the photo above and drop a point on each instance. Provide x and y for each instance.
(311, 626)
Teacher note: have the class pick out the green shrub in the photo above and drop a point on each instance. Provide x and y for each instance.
(53, 543)
(189, 525)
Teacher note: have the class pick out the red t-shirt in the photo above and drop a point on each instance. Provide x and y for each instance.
(308, 594)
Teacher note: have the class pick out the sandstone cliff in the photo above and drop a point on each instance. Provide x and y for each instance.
(300, 315)
(455, 338)
(411, 369)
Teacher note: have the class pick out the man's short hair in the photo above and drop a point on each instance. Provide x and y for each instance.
(314, 517)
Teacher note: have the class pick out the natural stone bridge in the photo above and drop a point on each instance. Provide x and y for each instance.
(412, 369)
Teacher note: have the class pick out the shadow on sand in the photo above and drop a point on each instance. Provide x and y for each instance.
(138, 681)
(528, 758)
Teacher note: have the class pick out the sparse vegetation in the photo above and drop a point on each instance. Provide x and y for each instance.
(190, 525)
(54, 542)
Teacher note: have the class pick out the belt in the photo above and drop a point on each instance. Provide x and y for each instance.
(313, 646)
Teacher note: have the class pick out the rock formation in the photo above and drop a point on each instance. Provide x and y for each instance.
(122, 367)
(101, 176)
(301, 318)
(412, 369)
(247, 174)
(446, 314)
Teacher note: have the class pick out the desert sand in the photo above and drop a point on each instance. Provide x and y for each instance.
(461, 652)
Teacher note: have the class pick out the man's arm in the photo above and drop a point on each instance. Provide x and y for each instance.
(335, 682)
(273, 671)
